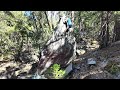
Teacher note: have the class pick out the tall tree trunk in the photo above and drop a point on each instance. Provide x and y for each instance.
(35, 23)
(107, 27)
(72, 15)
(116, 35)
(50, 27)
(104, 35)
(81, 25)
(52, 19)
(39, 18)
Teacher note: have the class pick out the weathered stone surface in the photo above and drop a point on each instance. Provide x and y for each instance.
(68, 69)
(91, 61)
(60, 50)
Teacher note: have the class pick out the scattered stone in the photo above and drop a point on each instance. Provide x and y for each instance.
(95, 42)
(36, 76)
(35, 57)
(21, 77)
(68, 69)
(101, 75)
(79, 59)
(77, 67)
(91, 61)
(80, 51)
(43, 77)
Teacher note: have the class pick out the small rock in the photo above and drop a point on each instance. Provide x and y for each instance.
(79, 59)
(76, 67)
(68, 69)
(43, 77)
(21, 77)
(91, 61)
(35, 57)
(17, 72)
(80, 52)
(100, 75)
(95, 42)
(37, 76)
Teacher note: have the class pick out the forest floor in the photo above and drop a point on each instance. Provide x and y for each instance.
(10, 69)
(107, 66)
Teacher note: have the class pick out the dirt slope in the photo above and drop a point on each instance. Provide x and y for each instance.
(107, 64)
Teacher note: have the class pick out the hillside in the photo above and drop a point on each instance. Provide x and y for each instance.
(107, 64)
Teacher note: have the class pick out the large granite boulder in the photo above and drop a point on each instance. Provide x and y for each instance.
(60, 49)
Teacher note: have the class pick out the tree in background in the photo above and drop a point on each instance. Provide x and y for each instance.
(116, 31)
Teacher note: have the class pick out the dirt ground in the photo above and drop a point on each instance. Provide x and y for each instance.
(107, 66)
(16, 70)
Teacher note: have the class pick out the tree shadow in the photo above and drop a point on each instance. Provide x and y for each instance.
(10, 72)
(34, 68)
(24, 57)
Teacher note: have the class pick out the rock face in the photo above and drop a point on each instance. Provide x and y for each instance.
(60, 50)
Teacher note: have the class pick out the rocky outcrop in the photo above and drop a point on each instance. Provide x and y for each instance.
(60, 49)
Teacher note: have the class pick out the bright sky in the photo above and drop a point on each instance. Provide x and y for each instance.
(27, 13)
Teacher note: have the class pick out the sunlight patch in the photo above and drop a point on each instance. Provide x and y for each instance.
(48, 64)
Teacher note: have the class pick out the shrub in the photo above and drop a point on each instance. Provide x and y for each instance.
(55, 72)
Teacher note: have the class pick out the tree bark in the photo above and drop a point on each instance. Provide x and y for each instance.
(35, 24)
(48, 20)
(104, 35)
(116, 32)
(72, 15)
